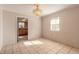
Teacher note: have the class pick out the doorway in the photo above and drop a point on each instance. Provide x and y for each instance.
(22, 29)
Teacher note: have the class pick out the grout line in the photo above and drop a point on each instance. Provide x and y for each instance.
(70, 50)
(60, 49)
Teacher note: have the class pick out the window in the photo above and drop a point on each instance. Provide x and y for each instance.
(54, 24)
(21, 25)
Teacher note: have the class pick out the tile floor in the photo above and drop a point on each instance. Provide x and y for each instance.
(39, 46)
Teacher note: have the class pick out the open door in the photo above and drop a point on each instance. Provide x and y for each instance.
(22, 29)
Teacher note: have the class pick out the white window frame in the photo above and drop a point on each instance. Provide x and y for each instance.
(55, 24)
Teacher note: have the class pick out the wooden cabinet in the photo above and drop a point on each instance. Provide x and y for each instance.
(22, 31)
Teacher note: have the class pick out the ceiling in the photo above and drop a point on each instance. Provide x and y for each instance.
(27, 9)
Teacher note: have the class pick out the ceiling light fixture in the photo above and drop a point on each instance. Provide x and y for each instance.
(37, 10)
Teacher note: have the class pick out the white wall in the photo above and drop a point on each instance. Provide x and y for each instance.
(0, 28)
(69, 27)
(34, 27)
(10, 27)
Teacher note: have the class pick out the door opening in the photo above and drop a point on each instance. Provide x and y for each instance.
(22, 29)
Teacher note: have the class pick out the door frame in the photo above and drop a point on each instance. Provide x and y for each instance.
(17, 26)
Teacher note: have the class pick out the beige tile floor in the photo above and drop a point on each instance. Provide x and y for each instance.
(39, 46)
